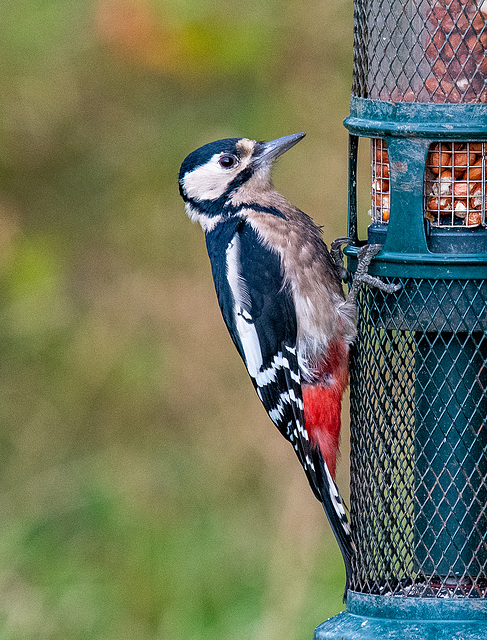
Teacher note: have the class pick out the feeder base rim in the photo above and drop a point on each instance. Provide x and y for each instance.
(388, 617)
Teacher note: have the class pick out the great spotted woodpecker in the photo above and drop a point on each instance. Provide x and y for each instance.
(281, 297)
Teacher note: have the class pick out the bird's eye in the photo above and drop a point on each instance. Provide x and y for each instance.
(227, 161)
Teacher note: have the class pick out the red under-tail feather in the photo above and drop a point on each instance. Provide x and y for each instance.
(323, 403)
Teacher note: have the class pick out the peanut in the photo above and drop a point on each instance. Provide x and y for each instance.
(381, 155)
(460, 161)
(460, 188)
(475, 170)
(476, 199)
(438, 161)
(474, 219)
(381, 186)
(439, 204)
(382, 170)
(460, 208)
(476, 147)
(444, 185)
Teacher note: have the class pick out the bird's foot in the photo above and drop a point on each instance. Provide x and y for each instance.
(361, 275)
(336, 253)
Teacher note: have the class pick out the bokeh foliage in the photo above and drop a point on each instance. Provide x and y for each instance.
(144, 493)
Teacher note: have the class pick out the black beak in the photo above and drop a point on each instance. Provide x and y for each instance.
(270, 151)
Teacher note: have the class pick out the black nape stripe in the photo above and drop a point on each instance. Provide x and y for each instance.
(218, 207)
(223, 205)
(209, 207)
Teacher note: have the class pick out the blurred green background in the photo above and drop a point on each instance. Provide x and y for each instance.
(144, 493)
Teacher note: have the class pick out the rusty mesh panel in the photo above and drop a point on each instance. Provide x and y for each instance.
(418, 440)
(420, 50)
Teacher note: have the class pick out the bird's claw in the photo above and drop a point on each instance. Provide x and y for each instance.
(336, 253)
(361, 276)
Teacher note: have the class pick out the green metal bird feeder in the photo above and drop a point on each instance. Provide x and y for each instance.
(418, 366)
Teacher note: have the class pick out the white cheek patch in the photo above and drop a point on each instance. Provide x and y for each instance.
(209, 181)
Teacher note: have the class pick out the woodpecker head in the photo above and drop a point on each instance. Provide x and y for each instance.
(216, 173)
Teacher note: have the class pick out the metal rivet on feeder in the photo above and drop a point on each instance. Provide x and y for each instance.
(418, 371)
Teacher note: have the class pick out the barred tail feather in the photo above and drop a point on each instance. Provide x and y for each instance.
(320, 478)
(279, 386)
(335, 512)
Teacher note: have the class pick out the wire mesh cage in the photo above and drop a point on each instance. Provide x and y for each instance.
(418, 376)
(419, 443)
(421, 50)
(419, 372)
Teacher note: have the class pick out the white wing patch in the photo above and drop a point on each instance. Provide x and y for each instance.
(241, 301)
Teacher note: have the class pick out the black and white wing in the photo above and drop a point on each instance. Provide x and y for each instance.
(261, 318)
